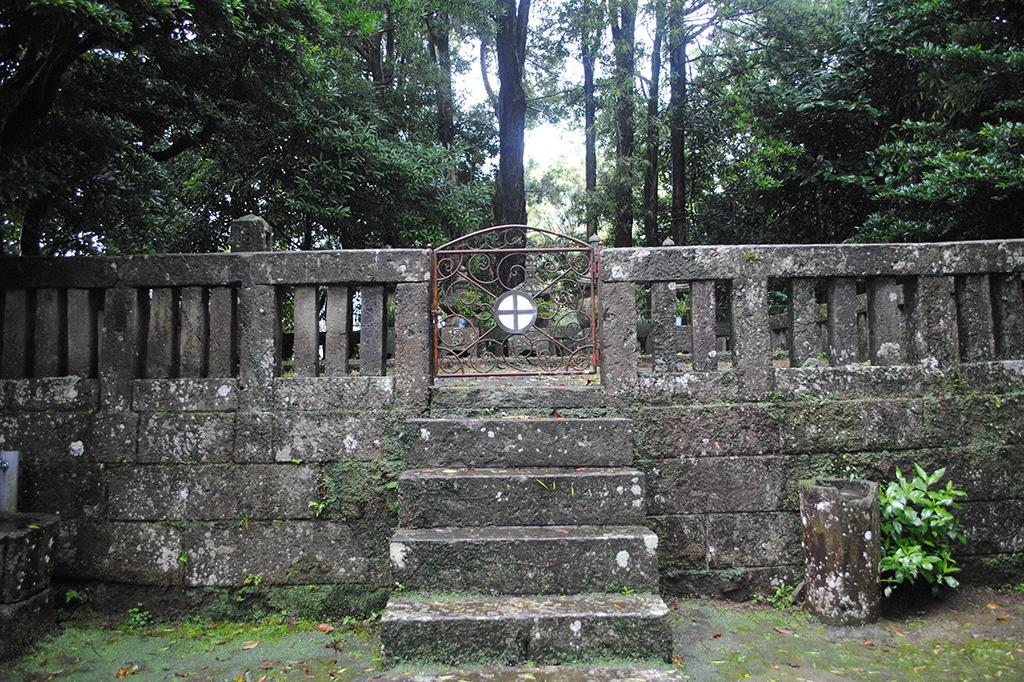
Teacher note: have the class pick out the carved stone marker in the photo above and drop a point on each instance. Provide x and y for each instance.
(840, 520)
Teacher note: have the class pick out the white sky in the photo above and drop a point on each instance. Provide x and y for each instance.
(546, 143)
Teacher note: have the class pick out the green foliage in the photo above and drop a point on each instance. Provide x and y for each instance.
(138, 617)
(782, 599)
(169, 118)
(919, 528)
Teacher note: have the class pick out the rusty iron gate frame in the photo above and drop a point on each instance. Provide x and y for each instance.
(453, 261)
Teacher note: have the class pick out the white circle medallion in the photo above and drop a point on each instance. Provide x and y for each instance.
(515, 312)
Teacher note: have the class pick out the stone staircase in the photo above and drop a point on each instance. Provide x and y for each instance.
(522, 540)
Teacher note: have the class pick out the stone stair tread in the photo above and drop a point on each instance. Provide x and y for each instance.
(498, 533)
(426, 606)
(526, 560)
(529, 496)
(520, 441)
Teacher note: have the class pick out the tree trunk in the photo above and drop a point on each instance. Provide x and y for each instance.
(32, 227)
(510, 189)
(439, 30)
(623, 25)
(678, 40)
(590, 45)
(651, 173)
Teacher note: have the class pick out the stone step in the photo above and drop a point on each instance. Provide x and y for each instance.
(542, 496)
(519, 442)
(526, 559)
(462, 629)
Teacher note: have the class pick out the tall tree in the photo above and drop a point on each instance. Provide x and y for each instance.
(652, 134)
(679, 39)
(622, 19)
(510, 45)
(590, 46)
(438, 25)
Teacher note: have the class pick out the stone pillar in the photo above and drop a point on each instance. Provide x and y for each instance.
(259, 322)
(886, 337)
(15, 361)
(751, 337)
(618, 336)
(1008, 314)
(703, 326)
(842, 548)
(842, 321)
(974, 318)
(663, 327)
(931, 312)
(251, 233)
(803, 321)
(413, 344)
(119, 351)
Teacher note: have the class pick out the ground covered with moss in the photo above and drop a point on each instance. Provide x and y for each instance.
(975, 634)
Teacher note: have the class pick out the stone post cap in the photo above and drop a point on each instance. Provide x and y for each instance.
(251, 233)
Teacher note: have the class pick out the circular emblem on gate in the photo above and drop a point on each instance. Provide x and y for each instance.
(515, 312)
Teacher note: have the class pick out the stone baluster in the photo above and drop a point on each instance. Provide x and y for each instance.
(842, 321)
(803, 321)
(931, 313)
(703, 326)
(306, 323)
(974, 315)
(886, 331)
(259, 321)
(373, 330)
(618, 337)
(752, 348)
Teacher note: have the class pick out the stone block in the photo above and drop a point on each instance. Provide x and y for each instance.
(855, 381)
(136, 553)
(526, 560)
(345, 266)
(254, 437)
(686, 387)
(520, 497)
(212, 492)
(760, 539)
(185, 395)
(682, 541)
(52, 394)
(70, 488)
(280, 552)
(23, 622)
(338, 393)
(697, 485)
(823, 426)
(180, 438)
(712, 430)
(739, 583)
(113, 437)
(322, 437)
(992, 527)
(26, 555)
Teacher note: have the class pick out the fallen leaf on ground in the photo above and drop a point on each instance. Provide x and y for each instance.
(993, 605)
(267, 664)
(324, 627)
(783, 631)
(125, 671)
(250, 645)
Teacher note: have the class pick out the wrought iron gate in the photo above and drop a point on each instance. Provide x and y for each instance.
(514, 300)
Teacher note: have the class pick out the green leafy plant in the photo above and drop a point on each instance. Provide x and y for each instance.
(919, 529)
(783, 598)
(138, 617)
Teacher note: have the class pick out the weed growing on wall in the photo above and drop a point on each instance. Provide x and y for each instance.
(919, 529)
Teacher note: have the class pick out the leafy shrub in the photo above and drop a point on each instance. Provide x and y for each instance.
(918, 530)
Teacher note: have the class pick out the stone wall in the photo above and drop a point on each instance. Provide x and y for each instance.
(187, 459)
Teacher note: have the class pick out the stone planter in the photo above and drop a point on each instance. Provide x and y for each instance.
(840, 520)
(26, 565)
